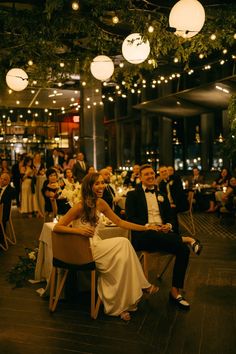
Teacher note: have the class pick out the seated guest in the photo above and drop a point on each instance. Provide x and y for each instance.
(133, 179)
(196, 178)
(52, 191)
(229, 197)
(121, 281)
(146, 206)
(91, 169)
(171, 185)
(109, 194)
(7, 194)
(219, 183)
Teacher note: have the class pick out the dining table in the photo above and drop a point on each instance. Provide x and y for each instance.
(44, 264)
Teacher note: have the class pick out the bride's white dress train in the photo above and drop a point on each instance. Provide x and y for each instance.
(121, 278)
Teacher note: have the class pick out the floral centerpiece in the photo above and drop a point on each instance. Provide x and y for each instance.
(24, 269)
(72, 193)
(118, 178)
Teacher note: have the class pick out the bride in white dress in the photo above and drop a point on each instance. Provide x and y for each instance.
(121, 281)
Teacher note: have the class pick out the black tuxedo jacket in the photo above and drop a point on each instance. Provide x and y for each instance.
(108, 195)
(79, 172)
(177, 192)
(6, 199)
(137, 212)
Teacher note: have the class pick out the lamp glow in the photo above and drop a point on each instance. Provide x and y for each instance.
(17, 79)
(102, 67)
(134, 49)
(187, 17)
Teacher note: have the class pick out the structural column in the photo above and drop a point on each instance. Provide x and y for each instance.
(91, 124)
(207, 134)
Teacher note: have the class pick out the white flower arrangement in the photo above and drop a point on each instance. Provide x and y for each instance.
(72, 192)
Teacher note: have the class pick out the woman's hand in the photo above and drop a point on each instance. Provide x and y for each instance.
(86, 230)
(153, 227)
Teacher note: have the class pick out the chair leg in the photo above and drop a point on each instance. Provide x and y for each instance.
(59, 290)
(52, 287)
(5, 246)
(145, 264)
(12, 235)
(94, 305)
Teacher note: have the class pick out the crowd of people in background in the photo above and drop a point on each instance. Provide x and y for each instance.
(68, 171)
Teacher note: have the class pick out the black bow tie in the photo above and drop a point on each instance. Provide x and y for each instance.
(149, 190)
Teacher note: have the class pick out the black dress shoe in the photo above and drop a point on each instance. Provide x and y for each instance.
(197, 247)
(180, 302)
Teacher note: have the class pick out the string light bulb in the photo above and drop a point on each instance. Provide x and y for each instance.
(75, 5)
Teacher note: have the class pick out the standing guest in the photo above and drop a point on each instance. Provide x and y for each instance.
(146, 206)
(16, 178)
(121, 281)
(29, 205)
(133, 180)
(80, 168)
(4, 167)
(37, 181)
(38, 165)
(54, 160)
(68, 161)
(91, 169)
(7, 194)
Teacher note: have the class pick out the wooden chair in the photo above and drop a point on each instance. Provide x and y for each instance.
(185, 218)
(11, 236)
(144, 259)
(3, 245)
(71, 252)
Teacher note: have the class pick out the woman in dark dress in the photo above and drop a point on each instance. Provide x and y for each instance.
(52, 191)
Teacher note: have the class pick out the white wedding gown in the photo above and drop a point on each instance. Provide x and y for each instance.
(121, 278)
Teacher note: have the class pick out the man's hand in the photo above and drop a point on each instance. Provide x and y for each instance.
(165, 228)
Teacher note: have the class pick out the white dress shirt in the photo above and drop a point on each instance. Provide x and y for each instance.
(154, 216)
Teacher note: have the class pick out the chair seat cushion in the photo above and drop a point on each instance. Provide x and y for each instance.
(60, 264)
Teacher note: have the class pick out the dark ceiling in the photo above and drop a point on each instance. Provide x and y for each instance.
(202, 99)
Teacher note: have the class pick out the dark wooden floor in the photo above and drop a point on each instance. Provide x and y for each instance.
(26, 326)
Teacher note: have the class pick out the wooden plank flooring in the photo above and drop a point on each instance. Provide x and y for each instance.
(26, 326)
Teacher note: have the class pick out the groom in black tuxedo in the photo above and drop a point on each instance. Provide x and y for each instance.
(145, 205)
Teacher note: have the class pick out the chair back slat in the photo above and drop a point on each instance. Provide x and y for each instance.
(71, 248)
(1, 212)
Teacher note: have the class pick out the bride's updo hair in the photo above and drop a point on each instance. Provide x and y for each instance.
(89, 199)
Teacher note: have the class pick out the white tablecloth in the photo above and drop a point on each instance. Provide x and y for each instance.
(44, 260)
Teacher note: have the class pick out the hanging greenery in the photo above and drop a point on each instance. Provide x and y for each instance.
(52, 32)
(230, 142)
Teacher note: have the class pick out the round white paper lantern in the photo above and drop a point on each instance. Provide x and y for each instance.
(17, 79)
(188, 17)
(102, 67)
(134, 49)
